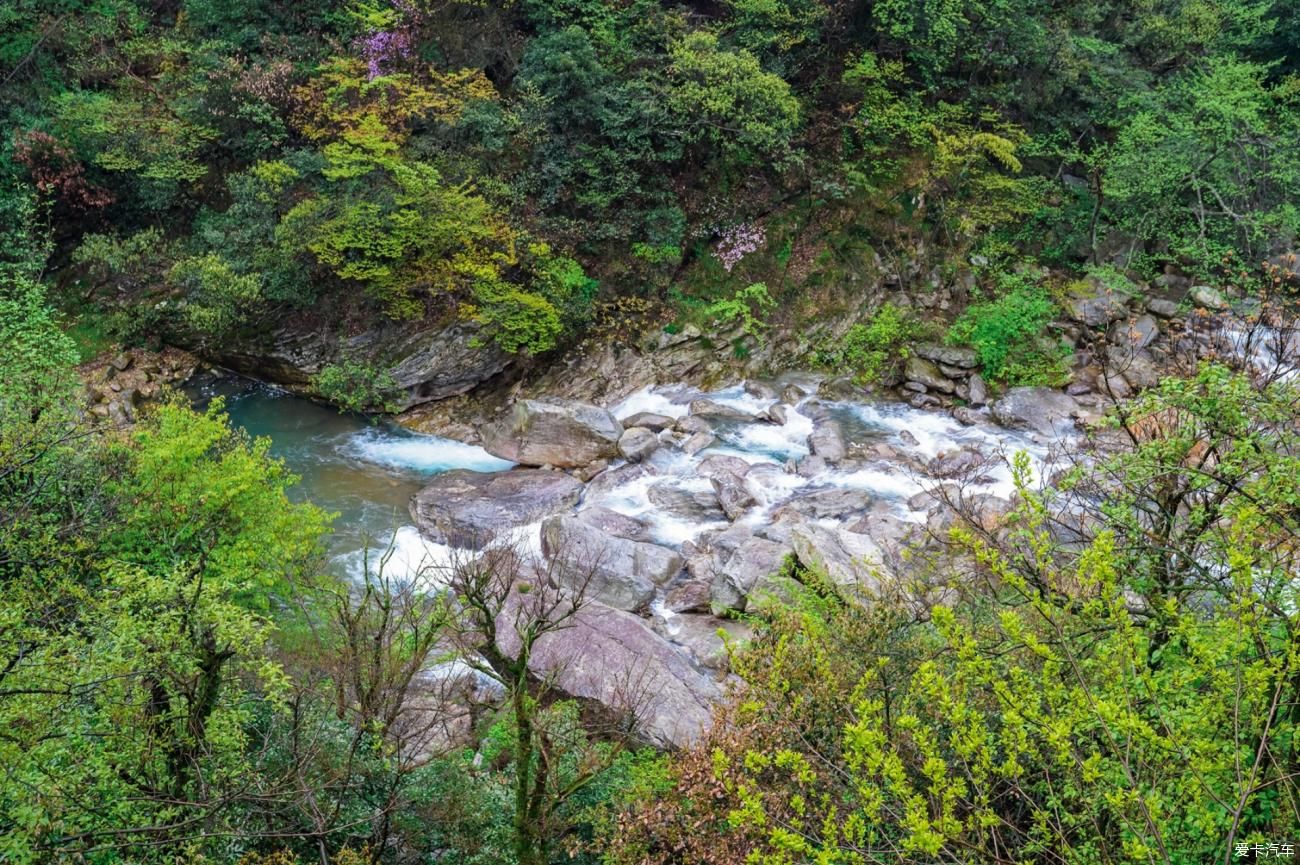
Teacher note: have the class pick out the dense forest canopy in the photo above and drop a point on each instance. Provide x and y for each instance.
(1103, 668)
(209, 166)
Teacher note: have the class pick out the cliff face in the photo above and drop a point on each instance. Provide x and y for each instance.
(427, 361)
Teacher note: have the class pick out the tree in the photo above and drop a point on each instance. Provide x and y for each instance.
(724, 99)
(512, 609)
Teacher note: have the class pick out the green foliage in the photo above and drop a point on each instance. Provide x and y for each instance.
(35, 361)
(724, 98)
(1170, 175)
(355, 386)
(871, 351)
(746, 307)
(564, 285)
(132, 724)
(1008, 333)
(218, 300)
(199, 494)
(394, 225)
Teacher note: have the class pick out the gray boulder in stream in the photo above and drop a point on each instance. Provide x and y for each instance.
(614, 658)
(470, 509)
(750, 570)
(616, 571)
(553, 432)
(1042, 409)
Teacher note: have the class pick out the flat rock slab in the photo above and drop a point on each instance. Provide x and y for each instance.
(471, 509)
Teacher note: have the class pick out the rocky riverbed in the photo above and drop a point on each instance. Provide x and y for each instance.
(679, 510)
(681, 507)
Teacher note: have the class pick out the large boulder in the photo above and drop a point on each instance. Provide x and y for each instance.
(927, 373)
(613, 523)
(720, 411)
(470, 509)
(637, 443)
(845, 558)
(697, 506)
(749, 570)
(1041, 409)
(827, 440)
(1136, 334)
(828, 503)
(616, 571)
(615, 659)
(554, 432)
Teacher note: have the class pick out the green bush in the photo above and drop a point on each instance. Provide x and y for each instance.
(356, 386)
(746, 306)
(873, 349)
(1009, 333)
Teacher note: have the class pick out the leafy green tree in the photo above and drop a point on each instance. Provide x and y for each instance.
(217, 300)
(126, 734)
(724, 99)
(195, 490)
(1205, 163)
(1009, 333)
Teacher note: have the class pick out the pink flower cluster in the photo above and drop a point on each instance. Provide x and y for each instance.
(737, 242)
(383, 47)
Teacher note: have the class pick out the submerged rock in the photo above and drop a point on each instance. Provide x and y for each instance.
(471, 509)
(553, 432)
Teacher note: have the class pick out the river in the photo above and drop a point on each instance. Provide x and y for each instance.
(367, 471)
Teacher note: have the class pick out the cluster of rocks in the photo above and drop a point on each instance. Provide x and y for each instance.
(116, 386)
(935, 375)
(665, 612)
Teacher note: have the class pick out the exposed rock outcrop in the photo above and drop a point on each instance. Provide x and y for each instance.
(615, 659)
(616, 571)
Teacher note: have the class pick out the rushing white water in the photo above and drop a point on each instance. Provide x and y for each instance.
(913, 438)
(420, 453)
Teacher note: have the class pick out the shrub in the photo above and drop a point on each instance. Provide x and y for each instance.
(746, 306)
(1009, 335)
(356, 386)
(872, 350)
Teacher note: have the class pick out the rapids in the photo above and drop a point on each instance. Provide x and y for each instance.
(367, 472)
